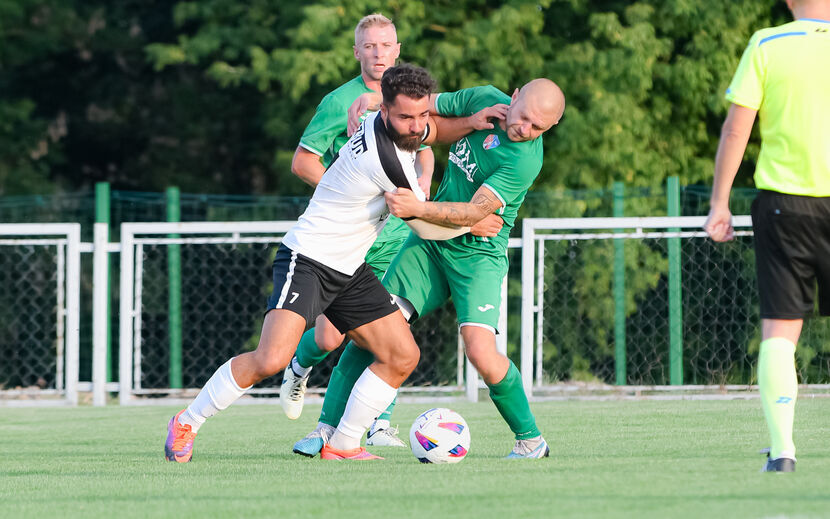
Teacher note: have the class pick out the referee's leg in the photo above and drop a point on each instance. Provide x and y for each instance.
(778, 382)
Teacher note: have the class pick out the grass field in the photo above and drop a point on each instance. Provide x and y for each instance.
(608, 459)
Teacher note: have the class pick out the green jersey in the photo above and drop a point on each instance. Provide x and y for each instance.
(486, 158)
(326, 134)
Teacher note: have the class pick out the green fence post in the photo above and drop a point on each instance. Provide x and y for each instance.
(675, 296)
(174, 269)
(102, 215)
(619, 290)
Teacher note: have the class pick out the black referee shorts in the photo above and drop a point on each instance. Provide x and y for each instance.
(309, 288)
(792, 254)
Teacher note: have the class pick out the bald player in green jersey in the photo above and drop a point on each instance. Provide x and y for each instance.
(784, 78)
(489, 171)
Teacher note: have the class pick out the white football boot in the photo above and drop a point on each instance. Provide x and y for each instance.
(292, 393)
(387, 437)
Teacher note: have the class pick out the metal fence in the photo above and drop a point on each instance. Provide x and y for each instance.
(619, 304)
(224, 282)
(39, 312)
(645, 302)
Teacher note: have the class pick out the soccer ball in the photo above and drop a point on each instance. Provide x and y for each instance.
(439, 436)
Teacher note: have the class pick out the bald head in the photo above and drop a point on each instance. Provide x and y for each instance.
(546, 97)
(534, 109)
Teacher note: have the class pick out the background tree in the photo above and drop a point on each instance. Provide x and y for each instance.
(213, 95)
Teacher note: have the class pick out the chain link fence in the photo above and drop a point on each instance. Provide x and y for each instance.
(580, 341)
(39, 312)
(31, 347)
(224, 287)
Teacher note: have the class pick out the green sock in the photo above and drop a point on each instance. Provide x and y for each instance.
(511, 401)
(351, 365)
(388, 412)
(308, 353)
(778, 384)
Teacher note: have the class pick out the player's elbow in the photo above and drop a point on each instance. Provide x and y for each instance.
(730, 132)
(296, 168)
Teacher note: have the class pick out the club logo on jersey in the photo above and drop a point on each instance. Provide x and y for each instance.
(491, 141)
(486, 307)
(460, 156)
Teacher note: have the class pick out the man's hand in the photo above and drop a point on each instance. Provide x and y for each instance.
(481, 119)
(403, 203)
(719, 224)
(488, 227)
(370, 101)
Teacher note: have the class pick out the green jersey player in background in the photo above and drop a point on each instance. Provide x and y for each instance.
(489, 171)
(376, 48)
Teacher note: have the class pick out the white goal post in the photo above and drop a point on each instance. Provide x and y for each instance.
(45, 296)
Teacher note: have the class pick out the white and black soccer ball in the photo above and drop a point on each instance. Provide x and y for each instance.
(439, 436)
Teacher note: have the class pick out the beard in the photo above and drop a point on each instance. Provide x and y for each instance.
(406, 142)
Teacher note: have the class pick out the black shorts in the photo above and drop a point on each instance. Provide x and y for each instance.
(792, 253)
(309, 288)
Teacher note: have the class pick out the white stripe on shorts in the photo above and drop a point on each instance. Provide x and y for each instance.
(288, 277)
(479, 325)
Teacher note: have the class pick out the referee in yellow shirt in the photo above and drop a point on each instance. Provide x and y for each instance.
(784, 76)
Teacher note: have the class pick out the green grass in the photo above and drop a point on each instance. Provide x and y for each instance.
(608, 459)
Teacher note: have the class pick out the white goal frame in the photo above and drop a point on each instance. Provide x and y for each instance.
(66, 237)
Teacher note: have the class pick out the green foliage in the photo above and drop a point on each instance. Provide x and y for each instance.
(213, 95)
(24, 146)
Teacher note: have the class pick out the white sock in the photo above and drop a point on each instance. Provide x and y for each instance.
(299, 370)
(379, 425)
(219, 392)
(370, 396)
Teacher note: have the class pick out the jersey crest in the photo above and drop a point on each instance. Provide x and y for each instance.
(491, 141)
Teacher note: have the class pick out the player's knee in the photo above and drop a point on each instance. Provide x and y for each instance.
(406, 358)
(328, 341)
(481, 355)
(269, 365)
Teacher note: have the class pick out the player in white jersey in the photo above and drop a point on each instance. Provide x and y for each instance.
(319, 267)
(348, 210)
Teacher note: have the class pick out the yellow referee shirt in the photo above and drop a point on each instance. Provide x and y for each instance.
(785, 75)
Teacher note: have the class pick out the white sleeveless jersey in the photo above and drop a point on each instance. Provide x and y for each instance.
(348, 211)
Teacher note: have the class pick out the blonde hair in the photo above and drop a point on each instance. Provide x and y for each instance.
(372, 20)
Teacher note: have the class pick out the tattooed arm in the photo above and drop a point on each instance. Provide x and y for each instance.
(403, 204)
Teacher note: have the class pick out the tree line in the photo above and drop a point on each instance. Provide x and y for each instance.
(213, 95)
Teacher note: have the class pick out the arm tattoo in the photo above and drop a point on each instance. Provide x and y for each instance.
(465, 214)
